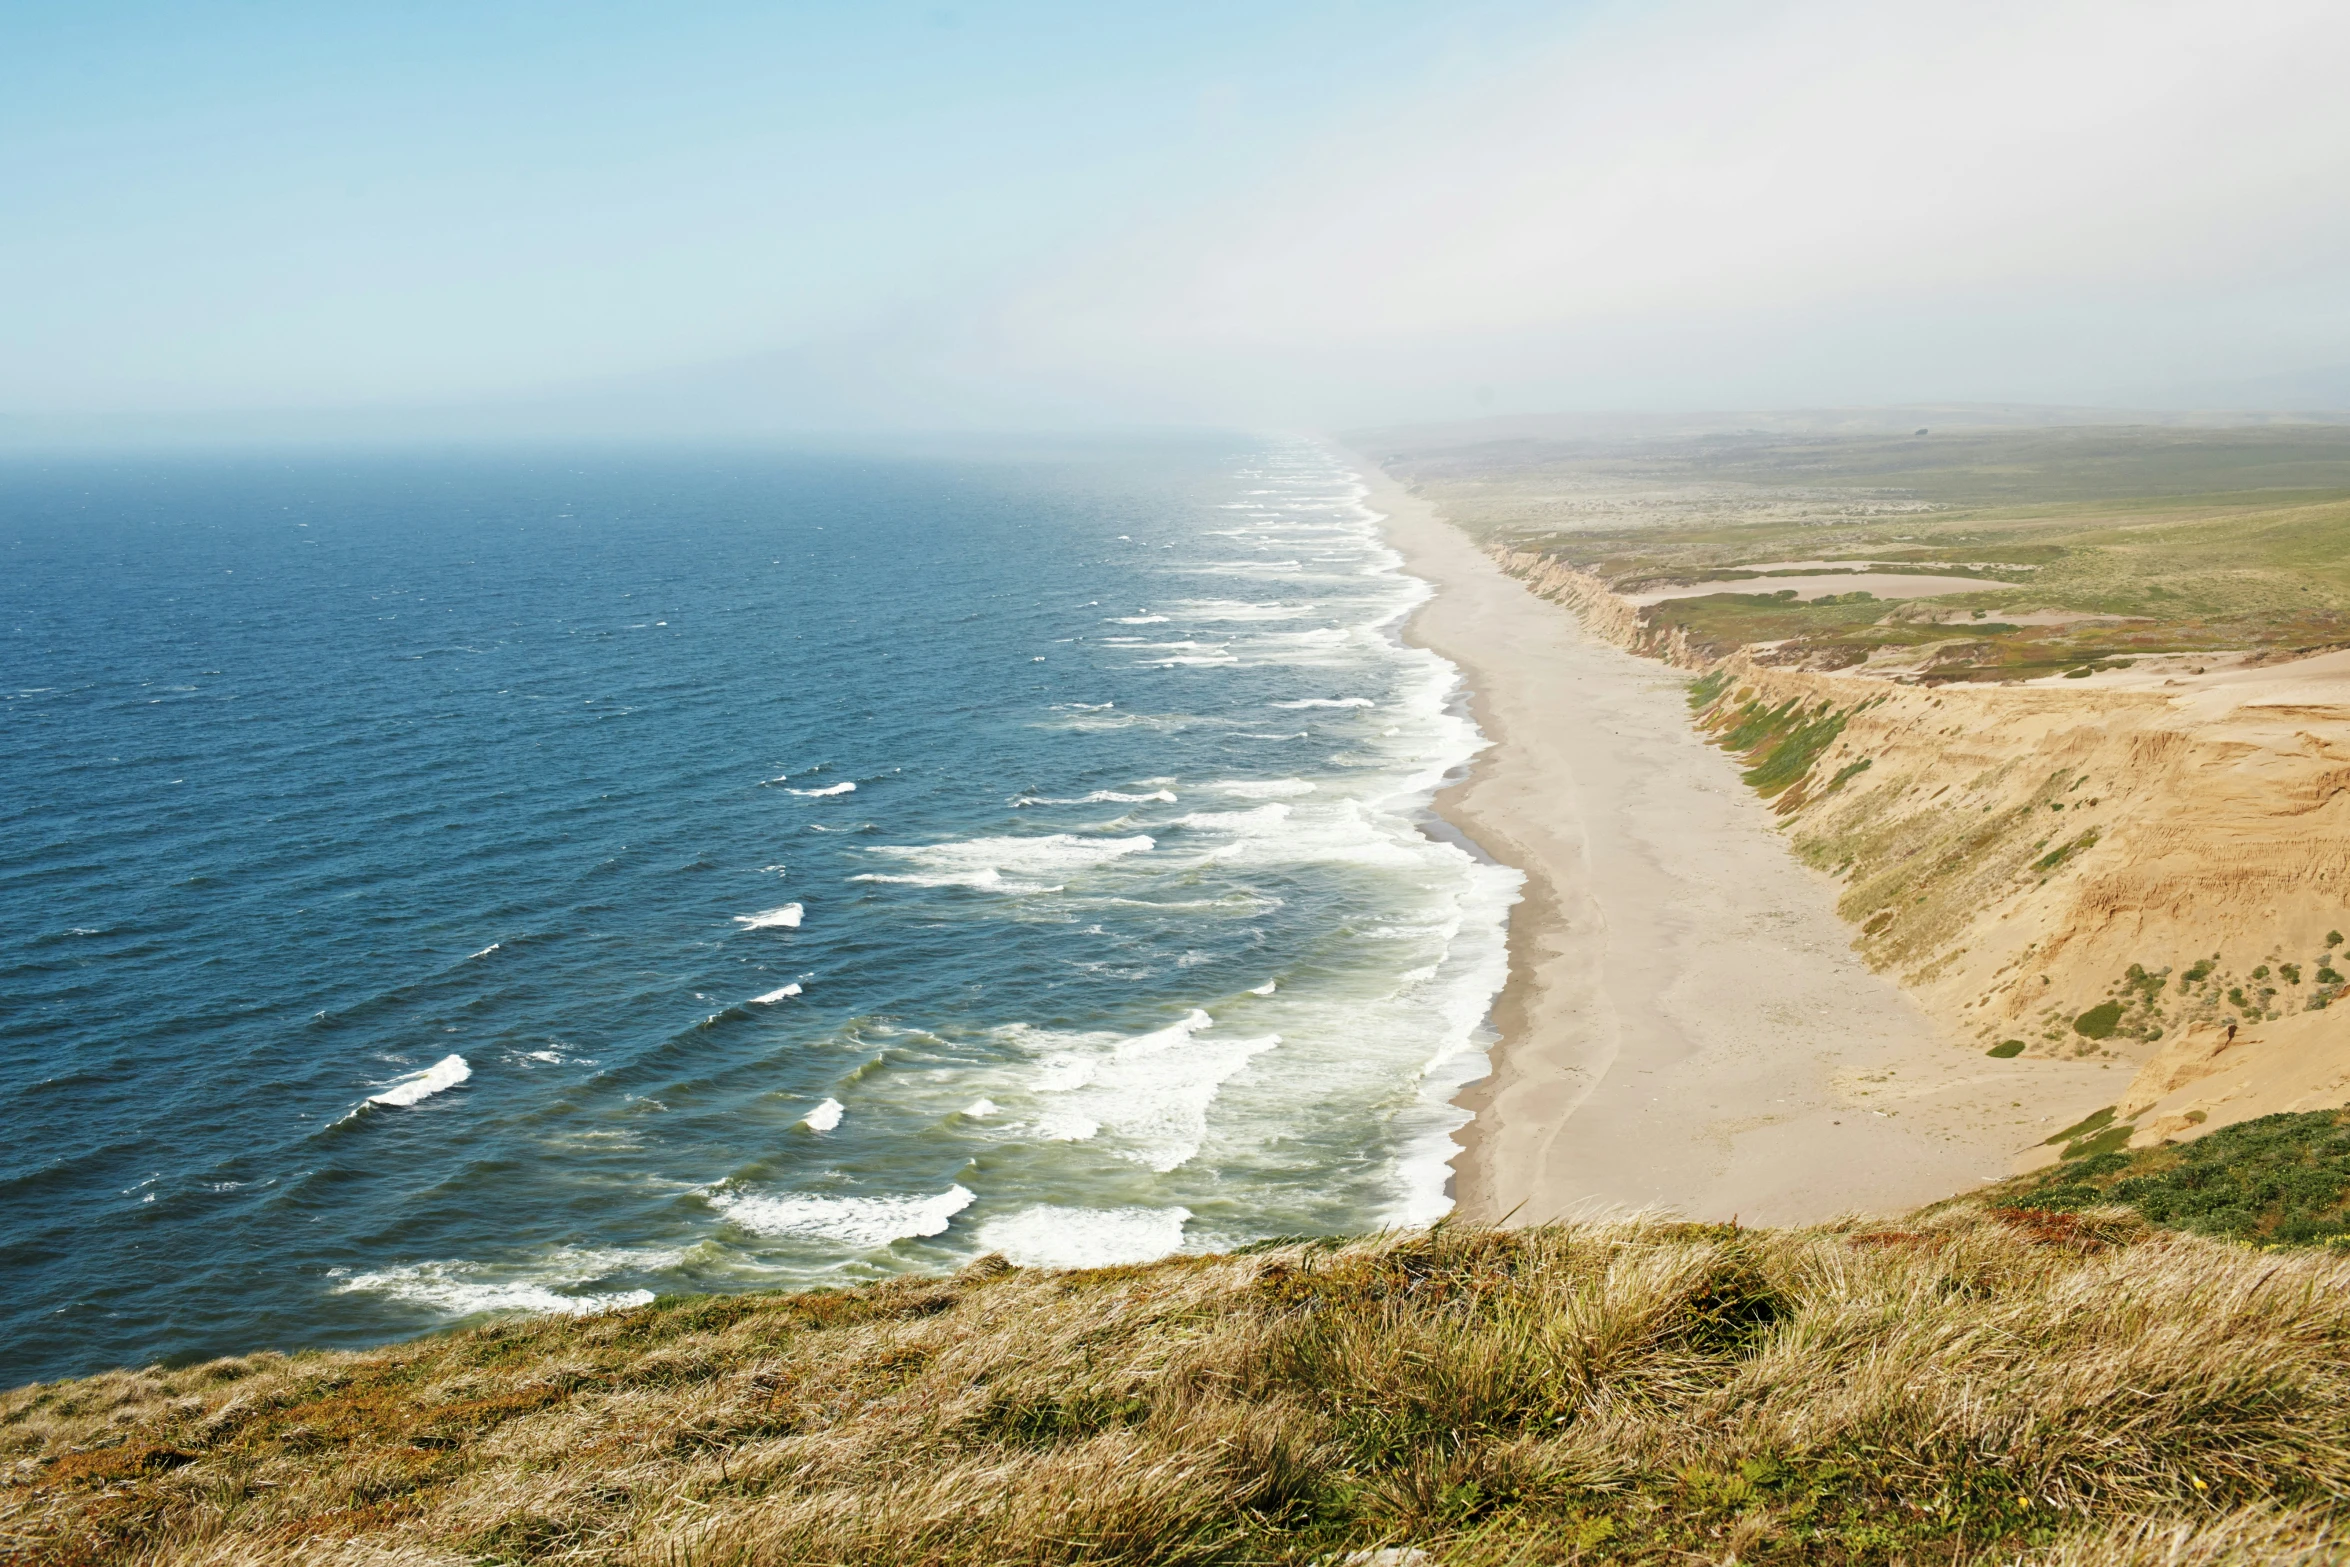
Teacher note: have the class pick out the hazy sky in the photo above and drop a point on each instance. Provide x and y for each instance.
(1313, 212)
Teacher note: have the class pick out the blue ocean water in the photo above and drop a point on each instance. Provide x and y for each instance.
(441, 885)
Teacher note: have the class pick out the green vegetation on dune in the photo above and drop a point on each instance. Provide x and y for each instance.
(2137, 542)
(2278, 1180)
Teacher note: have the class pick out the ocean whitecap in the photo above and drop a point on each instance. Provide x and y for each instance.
(445, 1073)
(1004, 864)
(866, 1223)
(1050, 1236)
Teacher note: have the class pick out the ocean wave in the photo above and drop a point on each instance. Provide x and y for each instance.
(865, 1223)
(780, 993)
(825, 1116)
(1050, 1236)
(484, 952)
(1258, 819)
(1100, 797)
(549, 1286)
(843, 787)
(445, 1073)
(785, 918)
(1243, 610)
(991, 864)
(1264, 788)
(1151, 1092)
(1327, 701)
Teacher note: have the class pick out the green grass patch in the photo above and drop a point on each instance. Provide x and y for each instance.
(2006, 1050)
(1782, 742)
(2111, 1140)
(2063, 852)
(2099, 1021)
(1705, 690)
(2095, 1121)
(2279, 1180)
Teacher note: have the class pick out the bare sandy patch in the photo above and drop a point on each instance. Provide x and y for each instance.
(1878, 584)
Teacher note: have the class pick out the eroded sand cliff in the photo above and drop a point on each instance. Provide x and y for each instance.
(2150, 865)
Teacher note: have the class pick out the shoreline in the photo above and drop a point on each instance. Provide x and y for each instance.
(1685, 1025)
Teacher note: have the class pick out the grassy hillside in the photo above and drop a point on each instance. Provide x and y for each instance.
(2153, 540)
(1979, 1384)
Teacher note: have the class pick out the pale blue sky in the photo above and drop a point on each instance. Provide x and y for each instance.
(1324, 210)
(222, 203)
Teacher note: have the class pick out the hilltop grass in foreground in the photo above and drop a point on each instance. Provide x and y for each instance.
(1978, 1384)
(2118, 543)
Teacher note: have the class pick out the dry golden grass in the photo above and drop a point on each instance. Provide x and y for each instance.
(1972, 1387)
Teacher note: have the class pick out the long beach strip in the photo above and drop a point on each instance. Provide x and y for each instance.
(1685, 1024)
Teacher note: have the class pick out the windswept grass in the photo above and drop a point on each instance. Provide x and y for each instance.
(1976, 1385)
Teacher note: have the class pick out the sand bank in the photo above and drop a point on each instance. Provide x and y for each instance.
(1685, 1024)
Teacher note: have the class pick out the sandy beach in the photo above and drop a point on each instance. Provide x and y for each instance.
(1685, 1024)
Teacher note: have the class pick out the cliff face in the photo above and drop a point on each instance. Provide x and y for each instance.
(2091, 868)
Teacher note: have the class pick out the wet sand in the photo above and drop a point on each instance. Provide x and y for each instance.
(1685, 1024)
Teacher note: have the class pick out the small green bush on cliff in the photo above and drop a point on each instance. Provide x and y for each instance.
(2099, 1021)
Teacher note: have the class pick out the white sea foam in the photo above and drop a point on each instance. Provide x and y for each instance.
(785, 918)
(1004, 864)
(843, 787)
(1049, 1236)
(981, 1108)
(1242, 610)
(1328, 701)
(780, 993)
(825, 1116)
(1264, 788)
(865, 1223)
(1100, 797)
(548, 1285)
(445, 1073)
(484, 952)
(1259, 819)
(1150, 1092)
(1266, 989)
